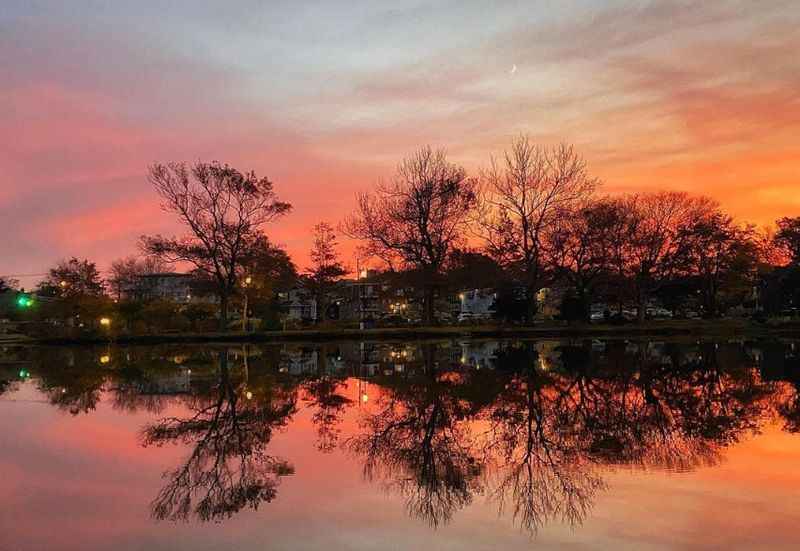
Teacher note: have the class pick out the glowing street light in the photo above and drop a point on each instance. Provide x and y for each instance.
(247, 281)
(105, 322)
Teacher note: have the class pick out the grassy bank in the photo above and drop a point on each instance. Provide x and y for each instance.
(698, 328)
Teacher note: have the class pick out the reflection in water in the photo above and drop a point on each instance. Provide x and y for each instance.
(324, 391)
(416, 441)
(529, 426)
(543, 472)
(228, 468)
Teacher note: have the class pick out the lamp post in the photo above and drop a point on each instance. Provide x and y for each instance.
(247, 281)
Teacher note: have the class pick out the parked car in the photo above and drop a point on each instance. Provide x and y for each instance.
(393, 321)
(469, 316)
(658, 313)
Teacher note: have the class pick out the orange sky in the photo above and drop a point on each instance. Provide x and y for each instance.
(325, 99)
(86, 478)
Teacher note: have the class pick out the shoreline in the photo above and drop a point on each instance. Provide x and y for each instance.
(723, 328)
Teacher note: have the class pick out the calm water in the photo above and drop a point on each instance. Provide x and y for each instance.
(447, 445)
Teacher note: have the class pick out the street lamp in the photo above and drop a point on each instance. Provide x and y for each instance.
(247, 281)
(105, 322)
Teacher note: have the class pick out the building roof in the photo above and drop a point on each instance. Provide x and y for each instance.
(165, 275)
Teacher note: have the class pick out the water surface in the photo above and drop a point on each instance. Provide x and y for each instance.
(436, 445)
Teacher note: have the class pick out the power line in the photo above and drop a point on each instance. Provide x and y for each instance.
(24, 275)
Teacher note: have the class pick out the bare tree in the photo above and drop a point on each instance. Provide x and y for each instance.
(416, 220)
(418, 445)
(524, 196)
(720, 254)
(228, 468)
(326, 268)
(223, 209)
(124, 272)
(653, 241)
(585, 244)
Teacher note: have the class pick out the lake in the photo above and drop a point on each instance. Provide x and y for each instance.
(460, 444)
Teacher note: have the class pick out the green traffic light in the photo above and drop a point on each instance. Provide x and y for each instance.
(24, 301)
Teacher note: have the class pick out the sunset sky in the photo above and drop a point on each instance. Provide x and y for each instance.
(325, 97)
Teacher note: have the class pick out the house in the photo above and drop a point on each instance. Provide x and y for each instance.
(161, 286)
(548, 302)
(299, 304)
(476, 304)
(362, 300)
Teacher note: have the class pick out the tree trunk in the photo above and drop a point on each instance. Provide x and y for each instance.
(586, 304)
(532, 306)
(428, 306)
(223, 312)
(710, 300)
(641, 309)
(320, 317)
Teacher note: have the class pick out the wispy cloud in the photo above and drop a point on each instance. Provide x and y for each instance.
(325, 98)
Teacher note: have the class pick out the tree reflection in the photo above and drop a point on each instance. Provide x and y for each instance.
(541, 469)
(72, 378)
(228, 468)
(417, 443)
(323, 392)
(781, 363)
(552, 422)
(531, 427)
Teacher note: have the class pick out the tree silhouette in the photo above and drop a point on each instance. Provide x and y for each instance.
(524, 197)
(584, 246)
(223, 210)
(417, 444)
(125, 271)
(228, 468)
(787, 238)
(326, 268)
(416, 220)
(541, 469)
(655, 223)
(329, 404)
(720, 254)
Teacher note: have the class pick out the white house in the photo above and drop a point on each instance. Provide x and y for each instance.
(476, 304)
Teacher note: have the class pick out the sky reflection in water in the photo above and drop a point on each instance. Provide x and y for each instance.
(460, 444)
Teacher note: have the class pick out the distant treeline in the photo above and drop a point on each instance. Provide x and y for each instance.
(534, 219)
